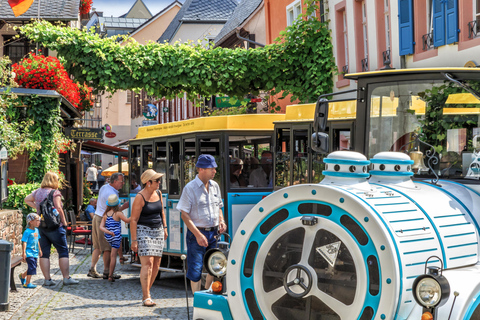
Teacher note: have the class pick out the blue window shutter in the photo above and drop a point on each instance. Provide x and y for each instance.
(405, 21)
(438, 23)
(452, 21)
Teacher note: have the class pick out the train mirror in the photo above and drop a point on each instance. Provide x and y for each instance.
(321, 115)
(320, 142)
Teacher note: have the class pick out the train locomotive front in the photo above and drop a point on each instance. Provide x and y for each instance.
(359, 245)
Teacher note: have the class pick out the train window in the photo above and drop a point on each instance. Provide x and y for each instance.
(147, 157)
(161, 162)
(273, 221)
(212, 146)
(286, 251)
(336, 278)
(250, 259)
(300, 157)
(289, 308)
(282, 159)
(314, 208)
(134, 165)
(355, 229)
(243, 161)
(174, 168)
(189, 161)
(317, 167)
(444, 115)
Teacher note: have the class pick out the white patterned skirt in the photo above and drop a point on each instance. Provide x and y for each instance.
(150, 241)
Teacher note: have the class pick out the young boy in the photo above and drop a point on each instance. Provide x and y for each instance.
(31, 250)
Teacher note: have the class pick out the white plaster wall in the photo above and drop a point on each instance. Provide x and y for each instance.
(256, 25)
(196, 31)
(444, 57)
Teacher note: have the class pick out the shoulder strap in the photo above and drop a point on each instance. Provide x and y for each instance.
(142, 197)
(50, 195)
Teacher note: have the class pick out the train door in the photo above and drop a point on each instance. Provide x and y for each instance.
(175, 241)
(243, 162)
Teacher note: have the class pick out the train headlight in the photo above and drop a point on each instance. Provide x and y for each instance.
(215, 260)
(431, 290)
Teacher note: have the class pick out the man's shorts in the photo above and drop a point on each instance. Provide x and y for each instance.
(99, 241)
(32, 266)
(195, 253)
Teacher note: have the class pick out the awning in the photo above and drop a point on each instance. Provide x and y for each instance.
(93, 146)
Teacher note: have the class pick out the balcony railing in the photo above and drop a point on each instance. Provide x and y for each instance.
(364, 64)
(473, 29)
(427, 40)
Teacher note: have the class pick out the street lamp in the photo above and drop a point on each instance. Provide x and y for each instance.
(91, 112)
(98, 101)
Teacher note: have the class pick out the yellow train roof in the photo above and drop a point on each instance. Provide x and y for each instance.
(247, 122)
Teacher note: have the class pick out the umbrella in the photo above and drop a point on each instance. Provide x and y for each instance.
(109, 171)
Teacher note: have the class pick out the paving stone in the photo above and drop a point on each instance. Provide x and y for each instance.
(97, 298)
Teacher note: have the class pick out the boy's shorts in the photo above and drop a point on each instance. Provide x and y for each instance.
(32, 266)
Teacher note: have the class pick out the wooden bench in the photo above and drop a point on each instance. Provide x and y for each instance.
(14, 262)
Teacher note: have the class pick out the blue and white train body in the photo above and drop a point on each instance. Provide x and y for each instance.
(362, 244)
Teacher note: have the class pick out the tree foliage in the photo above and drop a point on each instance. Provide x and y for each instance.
(300, 63)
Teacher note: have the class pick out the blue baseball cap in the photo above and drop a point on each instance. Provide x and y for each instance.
(206, 161)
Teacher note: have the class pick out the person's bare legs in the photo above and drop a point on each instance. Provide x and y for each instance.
(196, 286)
(95, 256)
(113, 261)
(155, 266)
(146, 275)
(45, 267)
(64, 264)
(106, 261)
(208, 281)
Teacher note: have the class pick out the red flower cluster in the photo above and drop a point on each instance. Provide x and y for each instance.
(85, 6)
(40, 72)
(10, 182)
(63, 148)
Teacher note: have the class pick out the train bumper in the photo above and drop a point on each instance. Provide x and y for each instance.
(208, 306)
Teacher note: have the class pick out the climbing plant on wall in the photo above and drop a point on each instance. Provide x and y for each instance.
(300, 63)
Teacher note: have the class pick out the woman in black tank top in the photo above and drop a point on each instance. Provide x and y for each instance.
(148, 229)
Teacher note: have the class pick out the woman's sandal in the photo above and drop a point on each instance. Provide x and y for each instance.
(150, 303)
(111, 278)
(122, 260)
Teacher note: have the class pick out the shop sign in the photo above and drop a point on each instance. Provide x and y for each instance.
(110, 134)
(146, 123)
(84, 133)
(150, 111)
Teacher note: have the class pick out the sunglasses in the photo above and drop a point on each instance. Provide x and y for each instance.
(157, 180)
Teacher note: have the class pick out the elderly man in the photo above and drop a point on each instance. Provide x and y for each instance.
(100, 244)
(262, 176)
(90, 210)
(201, 206)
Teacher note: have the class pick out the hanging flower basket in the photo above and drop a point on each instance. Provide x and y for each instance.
(85, 6)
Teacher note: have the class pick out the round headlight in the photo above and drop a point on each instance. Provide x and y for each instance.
(431, 291)
(217, 264)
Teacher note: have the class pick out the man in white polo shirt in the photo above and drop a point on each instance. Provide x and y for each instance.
(201, 206)
(100, 244)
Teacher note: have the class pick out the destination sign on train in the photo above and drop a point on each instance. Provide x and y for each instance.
(84, 133)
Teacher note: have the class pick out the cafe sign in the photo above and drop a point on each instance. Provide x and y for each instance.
(84, 134)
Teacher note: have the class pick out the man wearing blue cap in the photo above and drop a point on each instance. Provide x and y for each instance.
(201, 206)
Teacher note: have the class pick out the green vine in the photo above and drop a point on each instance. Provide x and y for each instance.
(300, 63)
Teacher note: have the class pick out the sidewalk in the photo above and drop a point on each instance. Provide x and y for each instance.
(97, 298)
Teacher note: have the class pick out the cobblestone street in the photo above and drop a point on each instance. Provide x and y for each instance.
(97, 298)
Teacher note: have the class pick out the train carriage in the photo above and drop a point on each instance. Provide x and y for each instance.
(392, 229)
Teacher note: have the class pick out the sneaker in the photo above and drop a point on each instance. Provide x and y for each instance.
(29, 286)
(115, 276)
(48, 283)
(69, 281)
(93, 273)
(22, 280)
